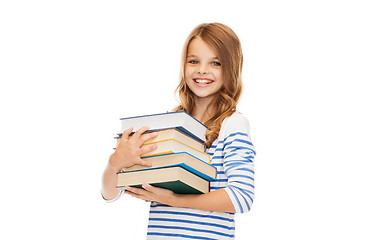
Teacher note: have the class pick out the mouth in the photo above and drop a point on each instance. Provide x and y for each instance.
(203, 81)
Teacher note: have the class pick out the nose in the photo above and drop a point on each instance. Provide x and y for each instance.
(202, 69)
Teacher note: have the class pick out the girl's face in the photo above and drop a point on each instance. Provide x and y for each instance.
(203, 72)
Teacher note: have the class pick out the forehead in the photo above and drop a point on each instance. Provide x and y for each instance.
(198, 47)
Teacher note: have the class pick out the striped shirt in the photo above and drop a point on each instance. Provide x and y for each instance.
(232, 153)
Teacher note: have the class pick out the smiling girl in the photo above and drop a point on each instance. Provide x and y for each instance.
(209, 89)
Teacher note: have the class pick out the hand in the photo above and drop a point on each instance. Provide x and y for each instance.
(130, 149)
(155, 194)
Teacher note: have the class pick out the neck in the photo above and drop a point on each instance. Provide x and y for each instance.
(201, 110)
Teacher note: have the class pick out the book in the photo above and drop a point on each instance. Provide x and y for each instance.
(180, 120)
(175, 134)
(181, 159)
(173, 146)
(175, 178)
(179, 162)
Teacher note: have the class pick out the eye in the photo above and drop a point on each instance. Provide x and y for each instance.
(216, 63)
(193, 61)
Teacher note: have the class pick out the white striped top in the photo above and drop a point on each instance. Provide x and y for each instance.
(232, 154)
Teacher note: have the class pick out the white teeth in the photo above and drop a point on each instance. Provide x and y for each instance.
(202, 81)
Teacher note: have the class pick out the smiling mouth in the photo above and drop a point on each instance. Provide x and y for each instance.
(203, 80)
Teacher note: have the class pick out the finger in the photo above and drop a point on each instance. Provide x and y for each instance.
(154, 190)
(126, 133)
(148, 187)
(147, 148)
(138, 191)
(138, 196)
(139, 132)
(148, 136)
(144, 163)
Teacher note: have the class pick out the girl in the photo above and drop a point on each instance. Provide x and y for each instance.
(209, 89)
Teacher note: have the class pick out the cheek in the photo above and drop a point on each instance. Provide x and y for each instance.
(188, 76)
(187, 72)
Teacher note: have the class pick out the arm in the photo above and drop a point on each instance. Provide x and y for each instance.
(239, 155)
(237, 196)
(109, 181)
(217, 201)
(127, 153)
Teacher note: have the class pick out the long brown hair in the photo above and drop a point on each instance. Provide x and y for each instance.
(226, 44)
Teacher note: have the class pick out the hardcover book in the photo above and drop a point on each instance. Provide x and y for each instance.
(174, 146)
(179, 120)
(175, 178)
(175, 134)
(181, 159)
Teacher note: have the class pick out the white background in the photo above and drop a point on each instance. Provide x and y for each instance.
(70, 69)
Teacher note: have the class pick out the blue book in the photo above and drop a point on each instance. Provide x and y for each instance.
(181, 159)
(179, 120)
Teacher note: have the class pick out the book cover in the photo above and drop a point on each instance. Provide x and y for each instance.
(175, 186)
(172, 133)
(180, 120)
(175, 178)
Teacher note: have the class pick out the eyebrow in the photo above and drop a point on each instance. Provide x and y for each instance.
(189, 56)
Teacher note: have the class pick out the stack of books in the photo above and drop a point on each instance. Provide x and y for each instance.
(179, 163)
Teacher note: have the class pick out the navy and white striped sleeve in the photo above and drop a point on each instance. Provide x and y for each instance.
(239, 155)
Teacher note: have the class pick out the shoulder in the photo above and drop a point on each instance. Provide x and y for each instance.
(236, 122)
